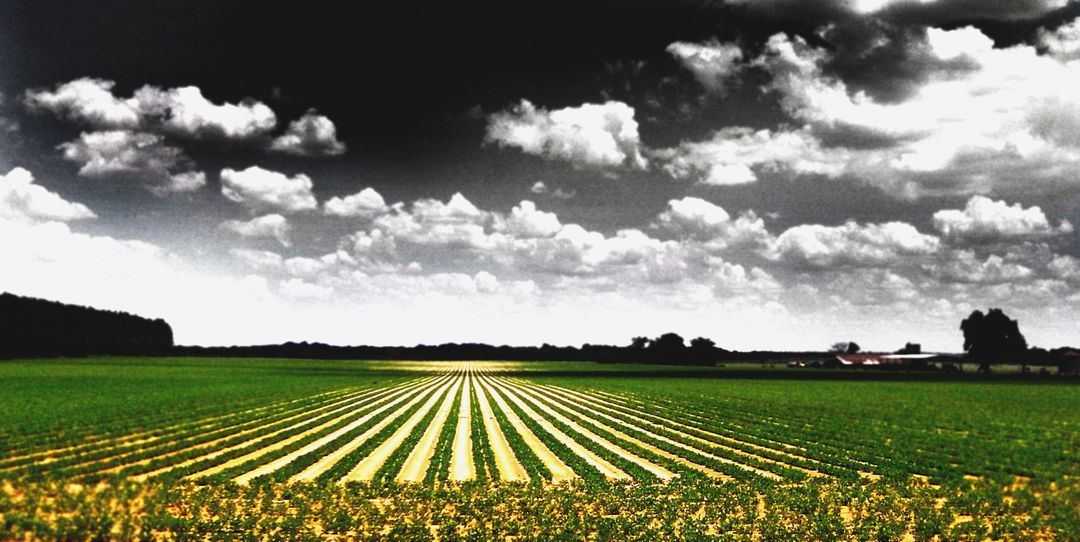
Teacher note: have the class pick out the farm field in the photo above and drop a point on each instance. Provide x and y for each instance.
(291, 449)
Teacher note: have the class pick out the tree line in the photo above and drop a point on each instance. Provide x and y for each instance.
(37, 327)
(667, 349)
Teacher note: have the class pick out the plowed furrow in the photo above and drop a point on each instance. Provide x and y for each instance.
(628, 438)
(140, 438)
(560, 471)
(639, 423)
(365, 470)
(238, 461)
(461, 462)
(416, 465)
(510, 469)
(605, 467)
(327, 462)
(247, 428)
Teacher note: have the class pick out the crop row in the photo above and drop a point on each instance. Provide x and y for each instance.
(467, 423)
(460, 425)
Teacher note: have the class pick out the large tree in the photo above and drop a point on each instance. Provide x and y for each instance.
(845, 347)
(668, 342)
(992, 338)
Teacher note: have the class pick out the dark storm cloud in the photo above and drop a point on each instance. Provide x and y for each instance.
(811, 12)
(886, 60)
(933, 12)
(851, 136)
(954, 11)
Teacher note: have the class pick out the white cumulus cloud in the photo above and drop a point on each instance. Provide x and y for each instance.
(1000, 119)
(186, 111)
(527, 221)
(25, 201)
(965, 267)
(142, 157)
(260, 188)
(977, 119)
(711, 62)
(365, 203)
(180, 111)
(188, 181)
(588, 135)
(100, 154)
(988, 220)
(733, 153)
(272, 225)
(700, 220)
(87, 100)
(852, 244)
(310, 135)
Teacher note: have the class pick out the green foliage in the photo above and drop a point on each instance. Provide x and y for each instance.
(58, 401)
(347, 463)
(482, 455)
(444, 448)
(538, 472)
(393, 464)
(575, 462)
(696, 509)
(940, 429)
(944, 461)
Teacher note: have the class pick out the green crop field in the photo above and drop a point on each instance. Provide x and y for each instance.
(197, 449)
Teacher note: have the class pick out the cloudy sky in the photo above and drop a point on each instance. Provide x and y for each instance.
(772, 174)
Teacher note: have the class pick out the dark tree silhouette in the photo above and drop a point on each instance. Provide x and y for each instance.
(845, 347)
(36, 327)
(992, 338)
(910, 348)
(668, 348)
(668, 342)
(702, 343)
(639, 342)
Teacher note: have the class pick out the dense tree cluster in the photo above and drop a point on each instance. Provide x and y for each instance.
(36, 327)
(993, 338)
(845, 347)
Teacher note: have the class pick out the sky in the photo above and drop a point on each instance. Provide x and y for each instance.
(770, 174)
